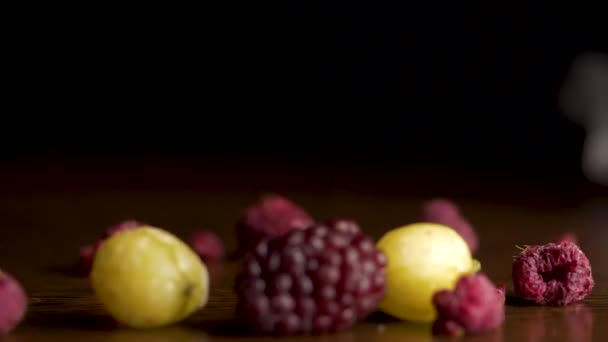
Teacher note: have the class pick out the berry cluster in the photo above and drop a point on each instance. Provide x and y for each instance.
(317, 280)
(475, 306)
(300, 276)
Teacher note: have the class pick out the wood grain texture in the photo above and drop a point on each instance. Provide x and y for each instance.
(42, 231)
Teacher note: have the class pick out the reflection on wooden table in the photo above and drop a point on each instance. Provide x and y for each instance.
(42, 231)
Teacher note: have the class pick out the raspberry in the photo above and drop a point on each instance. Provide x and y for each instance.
(207, 245)
(502, 291)
(447, 213)
(13, 303)
(475, 306)
(318, 280)
(568, 237)
(87, 253)
(552, 274)
(271, 216)
(120, 227)
(440, 207)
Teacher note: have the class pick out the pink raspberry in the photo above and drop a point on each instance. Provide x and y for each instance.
(13, 303)
(120, 227)
(447, 213)
(207, 245)
(502, 291)
(440, 207)
(475, 306)
(271, 216)
(87, 253)
(568, 237)
(552, 274)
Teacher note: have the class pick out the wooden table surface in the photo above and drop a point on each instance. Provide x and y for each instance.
(45, 221)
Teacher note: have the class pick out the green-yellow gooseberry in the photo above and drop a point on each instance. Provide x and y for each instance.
(147, 277)
(422, 259)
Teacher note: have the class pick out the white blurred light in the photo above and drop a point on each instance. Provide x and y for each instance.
(584, 99)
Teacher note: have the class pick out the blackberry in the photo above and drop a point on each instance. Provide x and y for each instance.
(475, 306)
(447, 213)
(318, 280)
(270, 216)
(552, 274)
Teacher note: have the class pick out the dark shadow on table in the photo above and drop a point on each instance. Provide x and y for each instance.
(380, 317)
(513, 300)
(220, 327)
(73, 320)
(73, 270)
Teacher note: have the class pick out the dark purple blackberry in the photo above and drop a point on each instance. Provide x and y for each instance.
(317, 280)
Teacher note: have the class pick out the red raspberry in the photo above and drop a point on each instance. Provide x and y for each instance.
(13, 303)
(87, 253)
(475, 306)
(207, 245)
(552, 274)
(440, 207)
(271, 216)
(120, 227)
(568, 237)
(447, 213)
(502, 291)
(313, 281)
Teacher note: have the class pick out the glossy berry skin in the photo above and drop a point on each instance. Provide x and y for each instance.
(475, 306)
(207, 245)
(271, 216)
(553, 274)
(319, 280)
(447, 213)
(13, 303)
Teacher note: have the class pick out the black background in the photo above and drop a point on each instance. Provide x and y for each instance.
(466, 86)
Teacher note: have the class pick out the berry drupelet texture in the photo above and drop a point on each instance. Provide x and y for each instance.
(568, 237)
(553, 274)
(475, 306)
(270, 216)
(318, 280)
